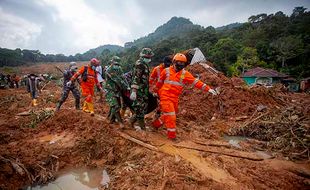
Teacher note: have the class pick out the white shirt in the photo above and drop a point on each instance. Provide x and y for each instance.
(99, 73)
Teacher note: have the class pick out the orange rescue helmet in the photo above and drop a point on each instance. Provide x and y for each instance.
(179, 57)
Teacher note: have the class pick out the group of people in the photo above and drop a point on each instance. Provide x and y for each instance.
(11, 81)
(166, 82)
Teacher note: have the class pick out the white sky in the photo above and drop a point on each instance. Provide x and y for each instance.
(75, 26)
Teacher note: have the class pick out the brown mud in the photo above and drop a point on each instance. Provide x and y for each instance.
(37, 144)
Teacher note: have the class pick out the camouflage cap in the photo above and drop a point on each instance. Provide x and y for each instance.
(147, 53)
(116, 59)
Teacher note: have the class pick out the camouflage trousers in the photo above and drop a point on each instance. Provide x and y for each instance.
(65, 93)
(114, 101)
(140, 106)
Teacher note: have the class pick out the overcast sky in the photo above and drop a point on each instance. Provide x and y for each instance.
(74, 26)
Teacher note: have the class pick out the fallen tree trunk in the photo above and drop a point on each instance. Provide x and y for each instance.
(151, 147)
(217, 144)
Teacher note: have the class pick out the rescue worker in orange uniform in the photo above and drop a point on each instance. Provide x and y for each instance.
(169, 87)
(155, 74)
(88, 82)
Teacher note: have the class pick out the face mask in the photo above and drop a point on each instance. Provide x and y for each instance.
(73, 69)
(93, 67)
(146, 60)
(179, 67)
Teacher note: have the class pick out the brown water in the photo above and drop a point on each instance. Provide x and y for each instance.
(78, 179)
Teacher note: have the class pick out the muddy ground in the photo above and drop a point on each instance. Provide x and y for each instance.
(37, 144)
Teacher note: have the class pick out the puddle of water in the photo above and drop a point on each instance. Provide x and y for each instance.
(82, 179)
(263, 154)
(234, 140)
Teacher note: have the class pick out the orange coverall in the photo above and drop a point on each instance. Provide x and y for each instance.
(155, 74)
(87, 87)
(170, 87)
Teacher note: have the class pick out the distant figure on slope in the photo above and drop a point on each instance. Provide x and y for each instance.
(115, 84)
(89, 80)
(33, 87)
(67, 74)
(140, 87)
(169, 88)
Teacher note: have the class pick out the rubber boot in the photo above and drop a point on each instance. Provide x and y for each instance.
(119, 119)
(132, 121)
(141, 124)
(58, 106)
(122, 112)
(157, 124)
(91, 108)
(111, 119)
(35, 102)
(77, 104)
(85, 107)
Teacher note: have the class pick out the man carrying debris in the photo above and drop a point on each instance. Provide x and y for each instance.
(67, 74)
(88, 82)
(169, 88)
(140, 87)
(114, 85)
(155, 74)
(33, 87)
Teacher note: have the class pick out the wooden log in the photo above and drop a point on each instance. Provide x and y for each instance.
(151, 147)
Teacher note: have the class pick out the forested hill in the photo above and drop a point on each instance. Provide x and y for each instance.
(275, 41)
(176, 26)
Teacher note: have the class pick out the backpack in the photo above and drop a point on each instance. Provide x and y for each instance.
(85, 73)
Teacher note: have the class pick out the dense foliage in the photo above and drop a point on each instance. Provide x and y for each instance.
(274, 41)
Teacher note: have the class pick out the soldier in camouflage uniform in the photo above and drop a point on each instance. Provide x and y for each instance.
(68, 73)
(114, 85)
(140, 87)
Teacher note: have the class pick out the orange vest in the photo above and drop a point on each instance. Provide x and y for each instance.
(155, 74)
(91, 75)
(171, 83)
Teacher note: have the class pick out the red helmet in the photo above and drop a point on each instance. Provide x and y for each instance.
(94, 61)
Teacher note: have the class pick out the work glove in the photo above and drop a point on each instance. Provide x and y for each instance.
(133, 96)
(213, 92)
(69, 83)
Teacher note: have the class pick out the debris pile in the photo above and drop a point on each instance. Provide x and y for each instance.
(271, 114)
(235, 99)
(285, 130)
